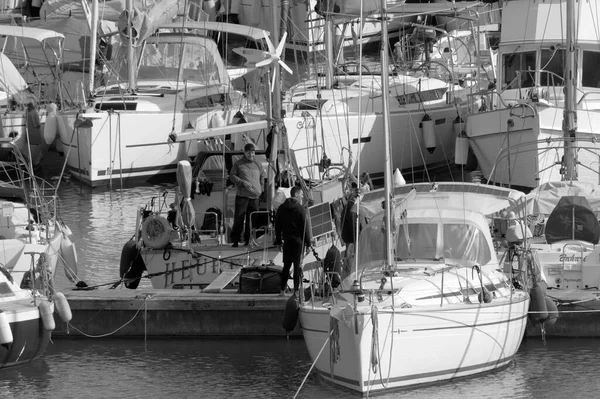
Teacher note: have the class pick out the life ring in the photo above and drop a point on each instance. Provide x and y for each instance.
(156, 232)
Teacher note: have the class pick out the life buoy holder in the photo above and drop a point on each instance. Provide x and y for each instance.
(156, 232)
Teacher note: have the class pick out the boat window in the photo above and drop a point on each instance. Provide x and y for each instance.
(161, 61)
(463, 241)
(421, 96)
(420, 241)
(310, 105)
(553, 62)
(518, 62)
(591, 72)
(423, 241)
(211, 100)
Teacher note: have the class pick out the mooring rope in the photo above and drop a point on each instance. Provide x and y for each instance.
(118, 329)
(312, 366)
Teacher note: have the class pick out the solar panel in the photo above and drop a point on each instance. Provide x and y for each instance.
(320, 219)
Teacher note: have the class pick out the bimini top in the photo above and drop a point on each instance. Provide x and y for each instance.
(30, 33)
(255, 34)
(474, 197)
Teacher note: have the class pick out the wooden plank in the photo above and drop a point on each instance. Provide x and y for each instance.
(221, 281)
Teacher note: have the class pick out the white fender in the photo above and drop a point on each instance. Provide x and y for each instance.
(6, 336)
(68, 256)
(428, 128)
(62, 306)
(217, 121)
(51, 125)
(46, 313)
(461, 150)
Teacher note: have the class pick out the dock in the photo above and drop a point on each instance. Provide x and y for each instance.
(192, 313)
(152, 312)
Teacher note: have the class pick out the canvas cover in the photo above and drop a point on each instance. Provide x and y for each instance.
(572, 219)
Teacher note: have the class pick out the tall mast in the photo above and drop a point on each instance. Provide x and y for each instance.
(275, 102)
(93, 45)
(387, 174)
(130, 49)
(570, 111)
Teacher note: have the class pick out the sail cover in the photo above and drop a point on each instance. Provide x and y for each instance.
(572, 219)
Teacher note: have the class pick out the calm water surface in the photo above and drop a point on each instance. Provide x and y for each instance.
(205, 368)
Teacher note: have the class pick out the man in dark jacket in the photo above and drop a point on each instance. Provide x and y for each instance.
(292, 225)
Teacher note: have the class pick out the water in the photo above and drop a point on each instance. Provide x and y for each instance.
(209, 368)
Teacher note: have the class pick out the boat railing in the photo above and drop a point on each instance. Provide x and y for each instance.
(213, 232)
(267, 228)
(579, 264)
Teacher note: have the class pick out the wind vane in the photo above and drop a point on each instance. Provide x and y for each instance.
(260, 58)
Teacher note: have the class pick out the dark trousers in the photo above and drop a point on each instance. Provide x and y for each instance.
(292, 254)
(243, 209)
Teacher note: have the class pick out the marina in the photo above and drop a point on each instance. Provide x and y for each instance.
(457, 274)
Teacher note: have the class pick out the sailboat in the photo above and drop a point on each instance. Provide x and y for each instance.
(176, 79)
(33, 242)
(522, 125)
(426, 302)
(558, 157)
(429, 95)
(31, 60)
(184, 242)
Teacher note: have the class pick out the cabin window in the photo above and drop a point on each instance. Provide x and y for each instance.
(591, 71)
(553, 62)
(421, 96)
(464, 241)
(518, 63)
(162, 61)
(423, 242)
(209, 101)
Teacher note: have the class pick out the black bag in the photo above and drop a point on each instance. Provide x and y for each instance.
(260, 280)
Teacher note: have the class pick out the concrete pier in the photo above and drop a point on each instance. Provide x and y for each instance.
(151, 312)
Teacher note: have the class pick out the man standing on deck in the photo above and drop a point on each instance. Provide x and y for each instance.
(292, 225)
(248, 175)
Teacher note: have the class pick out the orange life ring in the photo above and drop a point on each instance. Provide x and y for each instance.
(156, 232)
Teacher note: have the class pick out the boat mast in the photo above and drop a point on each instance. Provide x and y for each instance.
(387, 174)
(130, 49)
(275, 101)
(93, 45)
(570, 111)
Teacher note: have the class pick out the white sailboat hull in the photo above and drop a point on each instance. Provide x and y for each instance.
(128, 144)
(413, 346)
(535, 144)
(363, 134)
